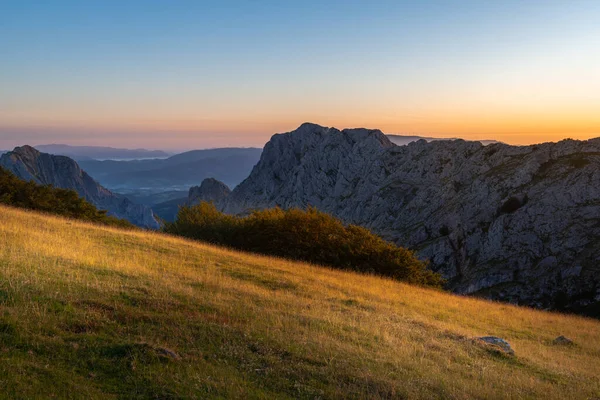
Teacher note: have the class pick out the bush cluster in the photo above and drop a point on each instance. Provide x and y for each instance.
(67, 203)
(310, 235)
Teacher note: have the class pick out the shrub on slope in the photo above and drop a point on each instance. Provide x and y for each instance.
(67, 203)
(310, 235)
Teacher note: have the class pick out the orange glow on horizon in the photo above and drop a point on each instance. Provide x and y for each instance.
(176, 131)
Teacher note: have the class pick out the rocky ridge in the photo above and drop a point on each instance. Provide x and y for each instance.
(513, 223)
(211, 190)
(29, 164)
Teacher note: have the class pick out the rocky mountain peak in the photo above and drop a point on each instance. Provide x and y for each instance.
(309, 133)
(44, 169)
(27, 151)
(362, 134)
(516, 223)
(210, 190)
(29, 164)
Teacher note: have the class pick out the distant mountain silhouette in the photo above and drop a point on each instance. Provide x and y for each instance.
(99, 153)
(402, 140)
(230, 165)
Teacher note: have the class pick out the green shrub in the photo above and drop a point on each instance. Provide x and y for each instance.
(67, 203)
(310, 235)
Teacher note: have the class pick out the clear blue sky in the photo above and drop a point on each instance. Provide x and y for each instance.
(183, 74)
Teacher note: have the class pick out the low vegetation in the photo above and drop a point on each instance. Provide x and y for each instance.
(67, 203)
(310, 235)
(96, 312)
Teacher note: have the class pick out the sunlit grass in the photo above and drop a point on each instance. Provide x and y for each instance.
(94, 312)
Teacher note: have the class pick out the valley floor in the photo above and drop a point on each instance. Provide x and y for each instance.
(93, 312)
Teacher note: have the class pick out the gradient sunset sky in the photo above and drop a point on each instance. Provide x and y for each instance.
(198, 74)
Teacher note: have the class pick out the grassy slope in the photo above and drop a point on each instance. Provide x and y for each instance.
(89, 312)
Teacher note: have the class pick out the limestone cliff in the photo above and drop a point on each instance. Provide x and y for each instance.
(62, 172)
(516, 223)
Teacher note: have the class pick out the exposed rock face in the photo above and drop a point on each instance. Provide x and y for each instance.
(211, 190)
(514, 223)
(62, 172)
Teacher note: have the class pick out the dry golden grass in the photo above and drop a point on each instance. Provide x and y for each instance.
(93, 312)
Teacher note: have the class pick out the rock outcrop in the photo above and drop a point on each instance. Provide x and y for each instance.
(563, 341)
(513, 223)
(29, 164)
(498, 344)
(211, 190)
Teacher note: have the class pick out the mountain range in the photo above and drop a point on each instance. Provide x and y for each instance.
(162, 184)
(512, 223)
(402, 140)
(63, 172)
(99, 153)
(178, 172)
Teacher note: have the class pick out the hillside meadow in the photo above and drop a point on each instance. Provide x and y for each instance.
(95, 312)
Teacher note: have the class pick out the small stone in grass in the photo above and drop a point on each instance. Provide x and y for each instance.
(498, 342)
(563, 341)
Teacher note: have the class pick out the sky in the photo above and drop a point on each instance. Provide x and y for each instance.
(199, 74)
